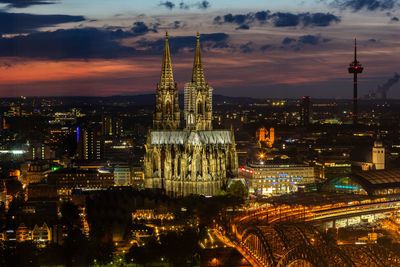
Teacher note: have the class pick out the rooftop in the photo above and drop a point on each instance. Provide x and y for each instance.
(379, 177)
(191, 137)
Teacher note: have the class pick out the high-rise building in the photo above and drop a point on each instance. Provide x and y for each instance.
(306, 111)
(193, 159)
(39, 150)
(90, 143)
(122, 175)
(378, 155)
(112, 126)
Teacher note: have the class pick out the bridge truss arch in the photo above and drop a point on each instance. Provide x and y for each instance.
(255, 242)
(300, 244)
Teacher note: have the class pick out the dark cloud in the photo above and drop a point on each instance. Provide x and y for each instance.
(209, 41)
(203, 5)
(24, 23)
(140, 28)
(262, 15)
(74, 43)
(218, 20)
(266, 47)
(309, 39)
(319, 19)
(238, 19)
(279, 19)
(247, 47)
(5, 65)
(370, 5)
(288, 40)
(243, 27)
(285, 19)
(302, 41)
(182, 5)
(372, 40)
(177, 24)
(307, 19)
(25, 3)
(167, 4)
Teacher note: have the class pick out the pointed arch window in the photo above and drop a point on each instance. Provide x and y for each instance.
(199, 108)
(168, 108)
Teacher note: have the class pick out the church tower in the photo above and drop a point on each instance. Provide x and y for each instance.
(167, 113)
(193, 159)
(378, 155)
(198, 97)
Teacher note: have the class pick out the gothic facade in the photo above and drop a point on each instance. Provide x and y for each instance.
(189, 159)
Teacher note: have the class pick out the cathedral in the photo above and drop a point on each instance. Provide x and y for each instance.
(190, 157)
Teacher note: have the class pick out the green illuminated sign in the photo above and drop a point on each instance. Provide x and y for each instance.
(346, 186)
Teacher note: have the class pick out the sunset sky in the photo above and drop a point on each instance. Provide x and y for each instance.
(285, 48)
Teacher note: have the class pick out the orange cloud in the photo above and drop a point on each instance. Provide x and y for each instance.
(22, 72)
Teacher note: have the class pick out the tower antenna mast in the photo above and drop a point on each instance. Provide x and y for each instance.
(355, 68)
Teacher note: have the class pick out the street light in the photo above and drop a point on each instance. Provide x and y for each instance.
(214, 262)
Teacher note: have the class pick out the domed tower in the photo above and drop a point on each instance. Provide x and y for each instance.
(378, 155)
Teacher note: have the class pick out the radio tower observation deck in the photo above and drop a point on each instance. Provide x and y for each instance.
(355, 68)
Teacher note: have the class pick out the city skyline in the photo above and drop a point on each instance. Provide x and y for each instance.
(275, 50)
(122, 141)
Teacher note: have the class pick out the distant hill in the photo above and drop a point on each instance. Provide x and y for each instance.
(149, 99)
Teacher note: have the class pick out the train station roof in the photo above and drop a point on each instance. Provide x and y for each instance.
(375, 182)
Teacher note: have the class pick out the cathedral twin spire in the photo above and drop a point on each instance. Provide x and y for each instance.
(167, 76)
(197, 95)
(198, 72)
(167, 112)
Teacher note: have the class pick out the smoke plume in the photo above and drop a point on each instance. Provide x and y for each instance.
(383, 89)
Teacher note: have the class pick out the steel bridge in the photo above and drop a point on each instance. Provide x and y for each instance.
(283, 236)
(301, 244)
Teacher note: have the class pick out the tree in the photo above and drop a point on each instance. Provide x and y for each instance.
(77, 249)
(2, 215)
(181, 247)
(20, 254)
(220, 192)
(102, 252)
(239, 190)
(70, 215)
(13, 187)
(144, 255)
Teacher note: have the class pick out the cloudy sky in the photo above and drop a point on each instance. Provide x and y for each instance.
(285, 48)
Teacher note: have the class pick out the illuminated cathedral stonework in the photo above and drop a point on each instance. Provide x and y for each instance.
(194, 159)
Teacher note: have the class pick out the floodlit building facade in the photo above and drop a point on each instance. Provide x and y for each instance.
(274, 179)
(194, 159)
(41, 233)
